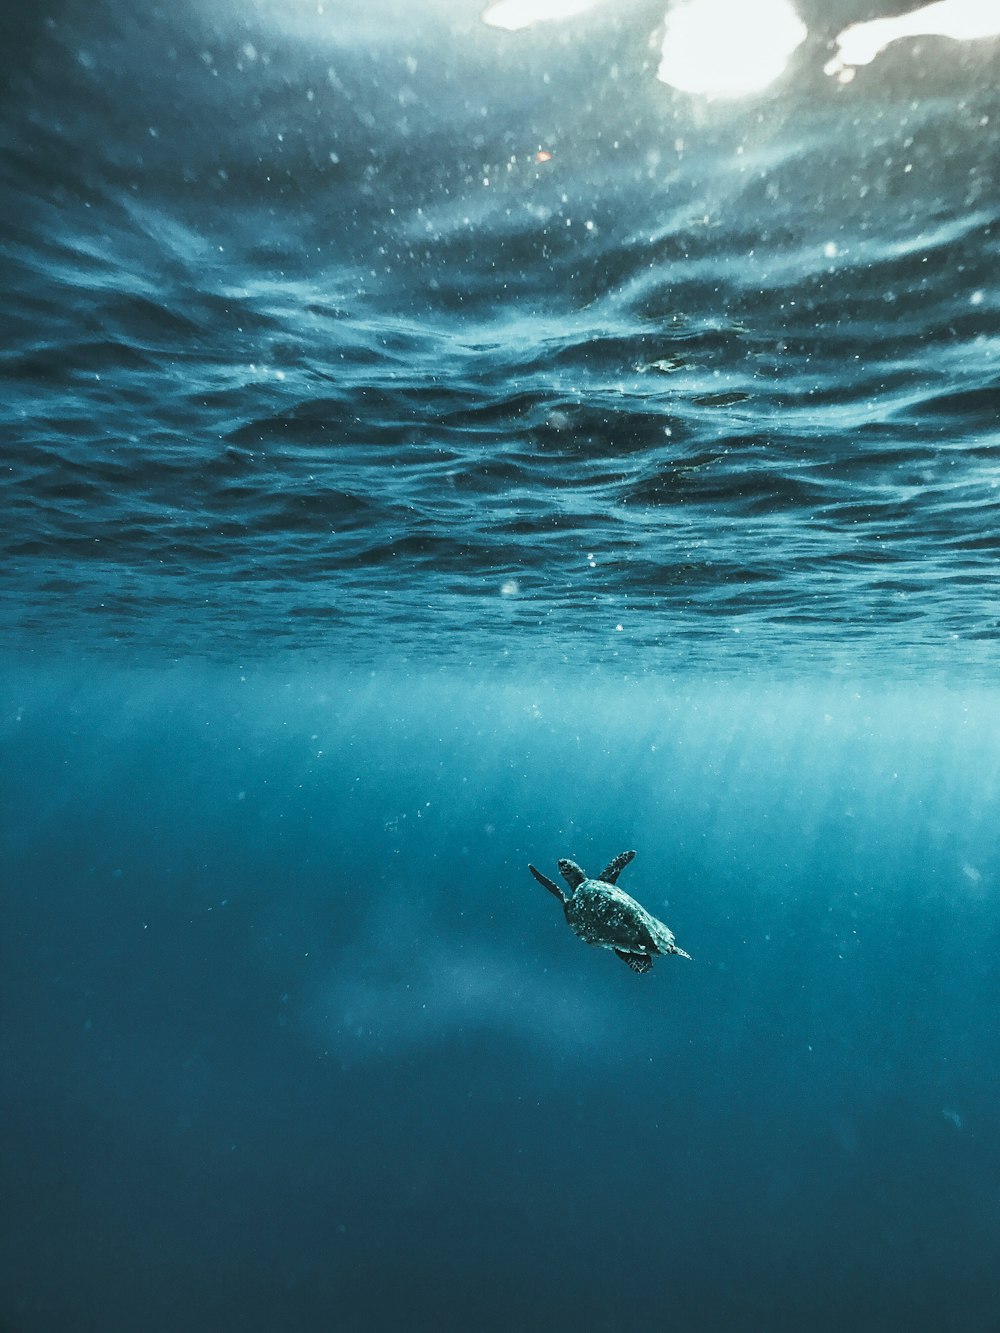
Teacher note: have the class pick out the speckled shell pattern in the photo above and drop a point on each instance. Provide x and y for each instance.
(603, 914)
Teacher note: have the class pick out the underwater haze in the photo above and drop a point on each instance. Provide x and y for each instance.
(429, 447)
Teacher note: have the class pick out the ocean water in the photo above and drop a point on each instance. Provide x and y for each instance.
(428, 449)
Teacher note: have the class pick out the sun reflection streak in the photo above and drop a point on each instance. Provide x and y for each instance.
(516, 14)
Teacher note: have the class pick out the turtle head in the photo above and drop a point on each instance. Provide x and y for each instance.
(572, 874)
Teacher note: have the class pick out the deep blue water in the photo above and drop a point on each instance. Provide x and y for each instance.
(425, 450)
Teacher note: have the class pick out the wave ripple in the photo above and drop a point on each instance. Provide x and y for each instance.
(340, 373)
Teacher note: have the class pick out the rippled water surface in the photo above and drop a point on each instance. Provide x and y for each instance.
(365, 334)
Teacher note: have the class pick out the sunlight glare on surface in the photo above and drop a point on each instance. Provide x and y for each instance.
(728, 48)
(961, 20)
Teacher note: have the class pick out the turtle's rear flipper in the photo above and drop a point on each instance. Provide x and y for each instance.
(571, 873)
(638, 962)
(614, 868)
(546, 883)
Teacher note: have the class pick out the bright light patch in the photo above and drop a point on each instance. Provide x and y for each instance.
(515, 14)
(728, 48)
(962, 20)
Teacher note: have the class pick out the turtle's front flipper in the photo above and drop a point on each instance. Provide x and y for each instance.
(571, 873)
(638, 962)
(546, 883)
(681, 954)
(614, 868)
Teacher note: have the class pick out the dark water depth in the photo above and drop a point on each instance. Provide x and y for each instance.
(295, 1042)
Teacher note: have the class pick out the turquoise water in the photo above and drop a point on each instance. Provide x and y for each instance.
(296, 1040)
(427, 450)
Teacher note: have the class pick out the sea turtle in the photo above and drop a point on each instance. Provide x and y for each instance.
(601, 913)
